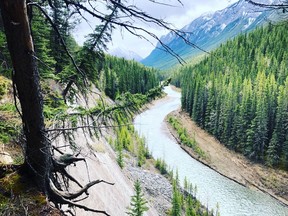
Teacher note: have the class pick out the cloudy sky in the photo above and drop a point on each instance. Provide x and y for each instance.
(176, 14)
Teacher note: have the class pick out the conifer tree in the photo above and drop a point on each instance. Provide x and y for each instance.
(138, 203)
(176, 200)
(43, 49)
(238, 92)
(40, 164)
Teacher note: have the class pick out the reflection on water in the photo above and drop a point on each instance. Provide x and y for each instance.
(212, 188)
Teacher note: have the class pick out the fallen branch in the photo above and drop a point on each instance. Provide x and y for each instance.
(60, 197)
(71, 196)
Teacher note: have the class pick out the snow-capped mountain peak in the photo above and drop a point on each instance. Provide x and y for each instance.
(209, 31)
(124, 53)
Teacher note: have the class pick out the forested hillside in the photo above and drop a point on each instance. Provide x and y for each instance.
(208, 32)
(110, 74)
(64, 78)
(41, 84)
(120, 75)
(240, 94)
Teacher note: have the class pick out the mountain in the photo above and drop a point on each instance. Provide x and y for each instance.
(124, 53)
(208, 32)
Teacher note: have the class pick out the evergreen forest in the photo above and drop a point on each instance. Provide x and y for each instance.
(239, 93)
(45, 77)
(110, 74)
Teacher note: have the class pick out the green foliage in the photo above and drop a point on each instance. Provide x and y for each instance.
(18, 196)
(5, 61)
(119, 159)
(119, 76)
(237, 94)
(184, 137)
(60, 15)
(161, 166)
(138, 203)
(176, 201)
(127, 139)
(54, 105)
(4, 83)
(41, 37)
(8, 107)
(124, 137)
(184, 202)
(142, 152)
(9, 124)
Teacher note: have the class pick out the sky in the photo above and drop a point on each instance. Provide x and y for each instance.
(176, 14)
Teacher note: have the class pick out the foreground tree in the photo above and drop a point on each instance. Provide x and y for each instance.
(26, 80)
(40, 163)
(138, 203)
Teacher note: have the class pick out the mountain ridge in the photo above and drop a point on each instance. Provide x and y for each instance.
(208, 31)
(126, 54)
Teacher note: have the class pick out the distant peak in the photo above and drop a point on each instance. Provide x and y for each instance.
(124, 53)
(209, 31)
(208, 15)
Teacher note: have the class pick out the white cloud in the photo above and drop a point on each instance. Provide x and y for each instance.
(177, 15)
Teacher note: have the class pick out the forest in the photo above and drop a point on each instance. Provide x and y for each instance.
(110, 74)
(41, 82)
(239, 94)
(114, 76)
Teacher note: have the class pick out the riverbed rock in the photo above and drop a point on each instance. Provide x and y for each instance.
(155, 186)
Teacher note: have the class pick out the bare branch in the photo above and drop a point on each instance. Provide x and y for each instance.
(85, 126)
(60, 197)
(282, 6)
(165, 4)
(142, 16)
(66, 174)
(71, 196)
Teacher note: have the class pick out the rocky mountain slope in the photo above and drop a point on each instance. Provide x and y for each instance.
(208, 32)
(100, 164)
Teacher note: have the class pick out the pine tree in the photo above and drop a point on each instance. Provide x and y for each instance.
(60, 16)
(190, 210)
(277, 147)
(40, 30)
(176, 200)
(138, 203)
(234, 94)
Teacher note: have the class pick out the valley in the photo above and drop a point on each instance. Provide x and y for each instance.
(213, 189)
(230, 164)
(197, 128)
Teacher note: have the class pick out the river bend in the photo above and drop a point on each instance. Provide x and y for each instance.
(212, 188)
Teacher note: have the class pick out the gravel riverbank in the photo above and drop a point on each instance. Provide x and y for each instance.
(157, 188)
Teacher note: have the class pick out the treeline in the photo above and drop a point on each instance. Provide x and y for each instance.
(110, 74)
(240, 94)
(119, 75)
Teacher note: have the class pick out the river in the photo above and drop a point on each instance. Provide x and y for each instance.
(212, 188)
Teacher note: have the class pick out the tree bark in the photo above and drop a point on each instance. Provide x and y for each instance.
(26, 79)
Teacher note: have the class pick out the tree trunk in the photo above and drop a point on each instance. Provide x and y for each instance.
(26, 79)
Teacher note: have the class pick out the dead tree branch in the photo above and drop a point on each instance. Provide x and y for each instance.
(141, 16)
(283, 6)
(59, 197)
